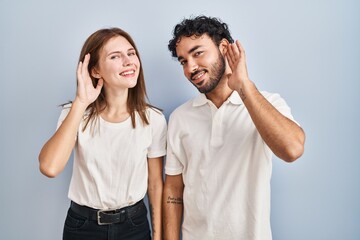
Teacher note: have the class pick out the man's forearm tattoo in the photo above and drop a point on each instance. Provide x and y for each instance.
(242, 94)
(174, 200)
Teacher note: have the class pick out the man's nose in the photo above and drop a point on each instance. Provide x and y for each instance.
(192, 67)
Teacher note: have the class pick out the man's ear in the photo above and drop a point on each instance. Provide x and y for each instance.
(223, 46)
(95, 73)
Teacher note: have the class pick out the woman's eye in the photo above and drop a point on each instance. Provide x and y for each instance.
(114, 57)
(131, 53)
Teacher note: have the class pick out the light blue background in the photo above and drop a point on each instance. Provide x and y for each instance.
(308, 51)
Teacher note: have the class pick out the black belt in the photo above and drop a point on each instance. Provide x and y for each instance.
(104, 217)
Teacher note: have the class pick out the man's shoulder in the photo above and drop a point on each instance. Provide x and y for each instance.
(270, 96)
(266, 93)
(184, 108)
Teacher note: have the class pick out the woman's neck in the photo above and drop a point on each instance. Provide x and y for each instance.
(116, 109)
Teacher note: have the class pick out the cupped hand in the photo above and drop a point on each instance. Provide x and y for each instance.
(236, 58)
(86, 92)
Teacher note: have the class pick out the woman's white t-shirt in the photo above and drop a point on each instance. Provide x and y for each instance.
(110, 167)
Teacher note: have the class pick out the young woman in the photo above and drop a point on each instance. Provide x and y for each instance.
(119, 142)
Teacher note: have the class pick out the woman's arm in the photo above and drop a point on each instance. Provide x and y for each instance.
(155, 190)
(57, 150)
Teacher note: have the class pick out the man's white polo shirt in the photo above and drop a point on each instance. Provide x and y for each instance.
(226, 168)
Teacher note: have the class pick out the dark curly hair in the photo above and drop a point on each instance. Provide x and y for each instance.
(214, 27)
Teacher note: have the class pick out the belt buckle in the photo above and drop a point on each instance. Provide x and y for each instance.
(99, 217)
(110, 212)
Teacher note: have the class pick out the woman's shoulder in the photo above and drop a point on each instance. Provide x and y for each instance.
(67, 106)
(153, 110)
(154, 114)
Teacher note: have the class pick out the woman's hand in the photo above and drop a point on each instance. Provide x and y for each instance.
(86, 93)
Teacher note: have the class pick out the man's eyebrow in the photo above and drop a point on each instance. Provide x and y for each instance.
(190, 51)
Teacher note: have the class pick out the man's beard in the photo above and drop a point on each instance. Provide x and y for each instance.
(216, 72)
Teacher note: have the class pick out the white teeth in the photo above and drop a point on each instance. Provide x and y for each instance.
(127, 73)
(199, 75)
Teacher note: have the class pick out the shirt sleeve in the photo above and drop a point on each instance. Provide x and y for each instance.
(175, 153)
(158, 132)
(64, 112)
(279, 103)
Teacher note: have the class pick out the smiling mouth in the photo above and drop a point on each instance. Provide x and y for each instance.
(127, 73)
(197, 76)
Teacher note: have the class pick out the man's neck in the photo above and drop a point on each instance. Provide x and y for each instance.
(220, 94)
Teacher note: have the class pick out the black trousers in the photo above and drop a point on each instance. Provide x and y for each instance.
(134, 226)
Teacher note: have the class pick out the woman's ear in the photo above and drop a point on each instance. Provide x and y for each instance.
(95, 73)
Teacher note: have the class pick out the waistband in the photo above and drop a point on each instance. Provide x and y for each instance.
(110, 216)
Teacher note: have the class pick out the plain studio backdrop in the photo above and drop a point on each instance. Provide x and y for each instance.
(308, 51)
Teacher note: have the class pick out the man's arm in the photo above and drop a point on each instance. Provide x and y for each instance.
(284, 137)
(173, 206)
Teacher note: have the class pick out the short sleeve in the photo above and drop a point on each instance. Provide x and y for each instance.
(158, 134)
(279, 103)
(64, 112)
(175, 152)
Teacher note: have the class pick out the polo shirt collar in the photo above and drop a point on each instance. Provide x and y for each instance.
(235, 98)
(202, 100)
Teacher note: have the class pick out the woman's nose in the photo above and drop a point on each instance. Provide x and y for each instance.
(126, 60)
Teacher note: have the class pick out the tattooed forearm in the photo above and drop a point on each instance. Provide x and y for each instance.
(174, 200)
(242, 94)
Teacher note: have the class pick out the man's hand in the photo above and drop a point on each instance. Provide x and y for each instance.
(236, 58)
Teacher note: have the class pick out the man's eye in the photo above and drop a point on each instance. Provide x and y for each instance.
(198, 53)
(182, 63)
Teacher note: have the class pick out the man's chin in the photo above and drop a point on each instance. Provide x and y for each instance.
(204, 90)
(201, 87)
(201, 90)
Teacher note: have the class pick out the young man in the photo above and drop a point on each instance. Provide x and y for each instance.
(220, 143)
